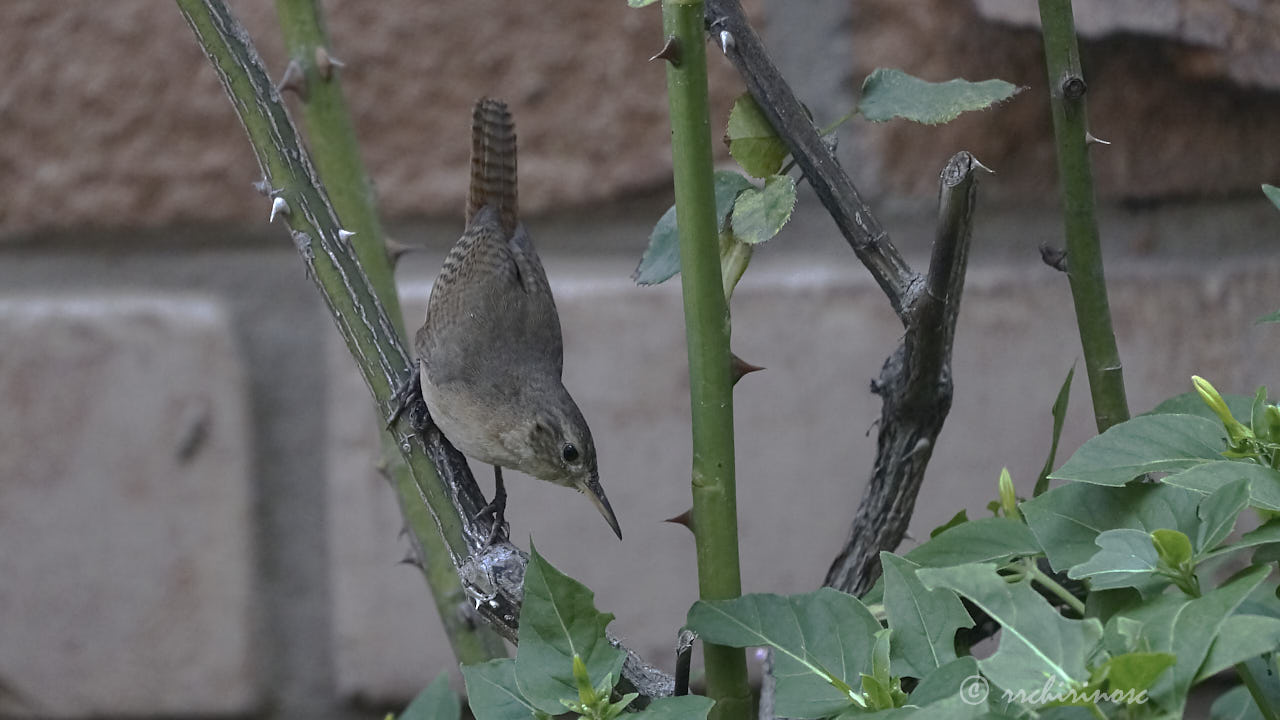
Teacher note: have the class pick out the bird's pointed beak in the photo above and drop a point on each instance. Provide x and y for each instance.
(594, 491)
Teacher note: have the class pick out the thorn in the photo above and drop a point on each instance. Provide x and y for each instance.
(978, 164)
(396, 249)
(726, 41)
(685, 518)
(741, 367)
(345, 235)
(409, 559)
(1089, 139)
(278, 207)
(294, 80)
(263, 187)
(669, 52)
(1055, 258)
(325, 63)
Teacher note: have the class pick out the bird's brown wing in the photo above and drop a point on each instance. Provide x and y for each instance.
(491, 317)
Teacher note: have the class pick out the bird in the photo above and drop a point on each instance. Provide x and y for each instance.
(490, 352)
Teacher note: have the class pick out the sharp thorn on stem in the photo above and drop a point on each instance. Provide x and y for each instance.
(325, 63)
(741, 367)
(345, 235)
(978, 164)
(669, 52)
(1089, 139)
(396, 249)
(294, 80)
(1055, 258)
(278, 207)
(685, 518)
(726, 41)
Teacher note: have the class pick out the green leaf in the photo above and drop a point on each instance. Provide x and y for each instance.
(1173, 547)
(1263, 535)
(924, 621)
(1067, 519)
(1136, 671)
(1186, 627)
(947, 681)
(1235, 704)
(1240, 638)
(1218, 513)
(1059, 412)
(1264, 482)
(888, 93)
(823, 642)
(1145, 444)
(983, 540)
(559, 620)
(752, 140)
(1189, 403)
(685, 707)
(957, 519)
(1273, 194)
(758, 215)
(492, 693)
(1126, 558)
(661, 260)
(994, 539)
(437, 702)
(1036, 643)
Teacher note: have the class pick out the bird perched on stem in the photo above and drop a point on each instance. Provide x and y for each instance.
(490, 353)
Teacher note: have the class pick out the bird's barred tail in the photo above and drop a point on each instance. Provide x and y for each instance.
(493, 162)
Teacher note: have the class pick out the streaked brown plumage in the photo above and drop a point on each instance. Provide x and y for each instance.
(490, 351)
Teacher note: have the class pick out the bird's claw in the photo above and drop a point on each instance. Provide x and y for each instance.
(496, 511)
(408, 397)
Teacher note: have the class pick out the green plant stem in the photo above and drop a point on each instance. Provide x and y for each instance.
(1255, 690)
(715, 511)
(337, 157)
(363, 323)
(1054, 587)
(1084, 254)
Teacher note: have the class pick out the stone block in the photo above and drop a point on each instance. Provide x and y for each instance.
(1177, 115)
(126, 569)
(94, 91)
(804, 428)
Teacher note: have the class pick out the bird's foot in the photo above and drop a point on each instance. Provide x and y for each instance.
(409, 397)
(496, 510)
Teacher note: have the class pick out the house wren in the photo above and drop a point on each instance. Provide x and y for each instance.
(490, 353)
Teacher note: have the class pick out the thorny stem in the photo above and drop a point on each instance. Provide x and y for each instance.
(1084, 255)
(715, 511)
(450, 495)
(337, 156)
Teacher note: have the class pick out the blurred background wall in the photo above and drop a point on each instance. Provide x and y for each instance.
(190, 522)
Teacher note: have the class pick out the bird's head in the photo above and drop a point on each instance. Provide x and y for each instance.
(564, 453)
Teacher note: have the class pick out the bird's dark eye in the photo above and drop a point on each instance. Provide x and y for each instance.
(570, 452)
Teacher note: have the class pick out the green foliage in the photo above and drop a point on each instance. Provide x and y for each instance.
(1273, 194)
(752, 140)
(822, 642)
(888, 93)
(565, 661)
(661, 261)
(1059, 412)
(1145, 444)
(759, 214)
(1036, 642)
(437, 702)
(924, 621)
